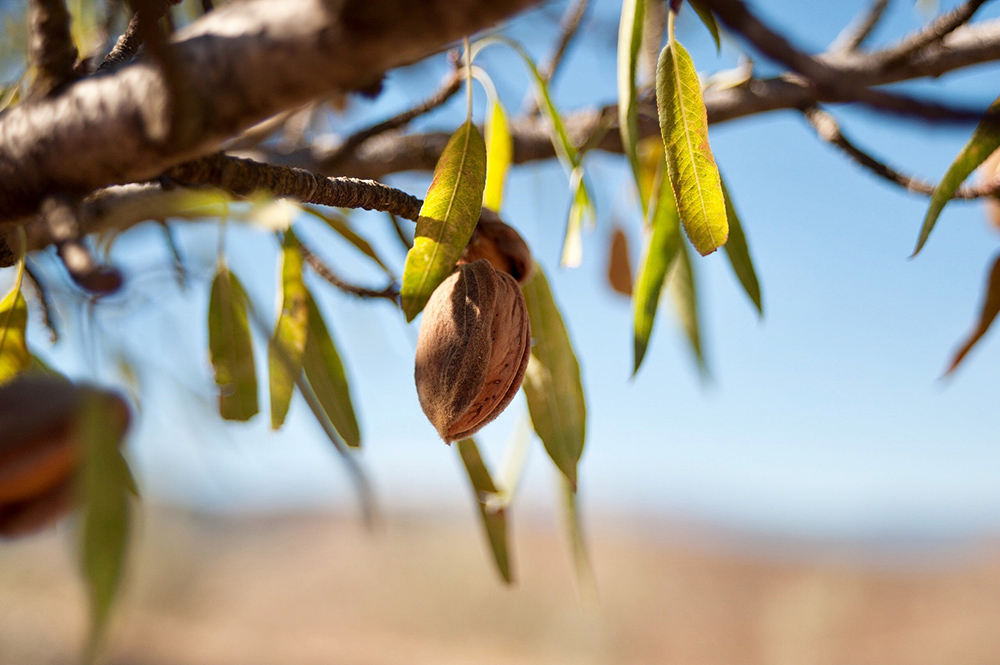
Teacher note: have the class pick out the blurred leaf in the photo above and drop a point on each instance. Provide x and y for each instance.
(325, 373)
(685, 295)
(585, 580)
(106, 486)
(499, 153)
(988, 313)
(447, 218)
(619, 265)
(512, 466)
(288, 343)
(495, 522)
(708, 18)
(693, 173)
(629, 40)
(230, 347)
(984, 141)
(552, 381)
(661, 251)
(14, 356)
(651, 164)
(580, 207)
(989, 173)
(738, 254)
(340, 225)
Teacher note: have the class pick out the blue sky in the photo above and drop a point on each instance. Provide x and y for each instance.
(825, 419)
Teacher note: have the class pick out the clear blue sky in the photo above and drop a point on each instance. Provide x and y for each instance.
(825, 419)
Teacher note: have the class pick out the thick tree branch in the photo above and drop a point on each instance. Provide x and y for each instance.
(244, 62)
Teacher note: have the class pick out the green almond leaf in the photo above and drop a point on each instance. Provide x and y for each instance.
(326, 375)
(738, 254)
(685, 296)
(585, 580)
(661, 250)
(288, 343)
(499, 154)
(629, 41)
(340, 225)
(494, 521)
(985, 140)
(447, 218)
(106, 488)
(230, 347)
(552, 381)
(708, 18)
(580, 208)
(690, 164)
(14, 355)
(988, 313)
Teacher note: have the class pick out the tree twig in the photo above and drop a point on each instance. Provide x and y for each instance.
(390, 293)
(43, 299)
(52, 49)
(855, 34)
(938, 29)
(568, 27)
(829, 130)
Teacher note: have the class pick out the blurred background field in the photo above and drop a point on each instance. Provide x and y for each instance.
(314, 588)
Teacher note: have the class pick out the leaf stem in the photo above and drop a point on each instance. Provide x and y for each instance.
(468, 79)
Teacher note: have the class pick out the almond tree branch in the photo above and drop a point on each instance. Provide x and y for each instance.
(828, 130)
(938, 29)
(855, 34)
(390, 293)
(52, 49)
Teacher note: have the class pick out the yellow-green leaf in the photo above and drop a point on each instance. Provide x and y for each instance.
(325, 373)
(580, 208)
(690, 164)
(340, 225)
(230, 347)
(708, 18)
(738, 253)
(988, 313)
(494, 521)
(447, 218)
(288, 343)
(14, 356)
(552, 381)
(662, 244)
(499, 153)
(984, 141)
(685, 296)
(106, 484)
(629, 41)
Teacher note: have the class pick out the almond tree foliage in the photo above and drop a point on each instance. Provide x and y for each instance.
(115, 114)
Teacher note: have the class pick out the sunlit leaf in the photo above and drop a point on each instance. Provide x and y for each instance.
(690, 164)
(580, 208)
(325, 373)
(447, 218)
(662, 244)
(738, 254)
(499, 153)
(651, 164)
(230, 347)
(619, 265)
(685, 296)
(14, 355)
(585, 580)
(340, 225)
(288, 343)
(494, 521)
(552, 381)
(629, 40)
(107, 483)
(984, 141)
(708, 18)
(988, 314)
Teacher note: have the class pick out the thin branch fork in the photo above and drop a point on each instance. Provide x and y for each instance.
(390, 293)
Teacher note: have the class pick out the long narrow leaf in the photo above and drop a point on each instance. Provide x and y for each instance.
(552, 381)
(685, 295)
(585, 580)
(984, 141)
(499, 153)
(447, 218)
(988, 313)
(340, 225)
(661, 251)
(690, 164)
(325, 373)
(494, 520)
(14, 355)
(629, 41)
(738, 253)
(288, 343)
(708, 18)
(230, 347)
